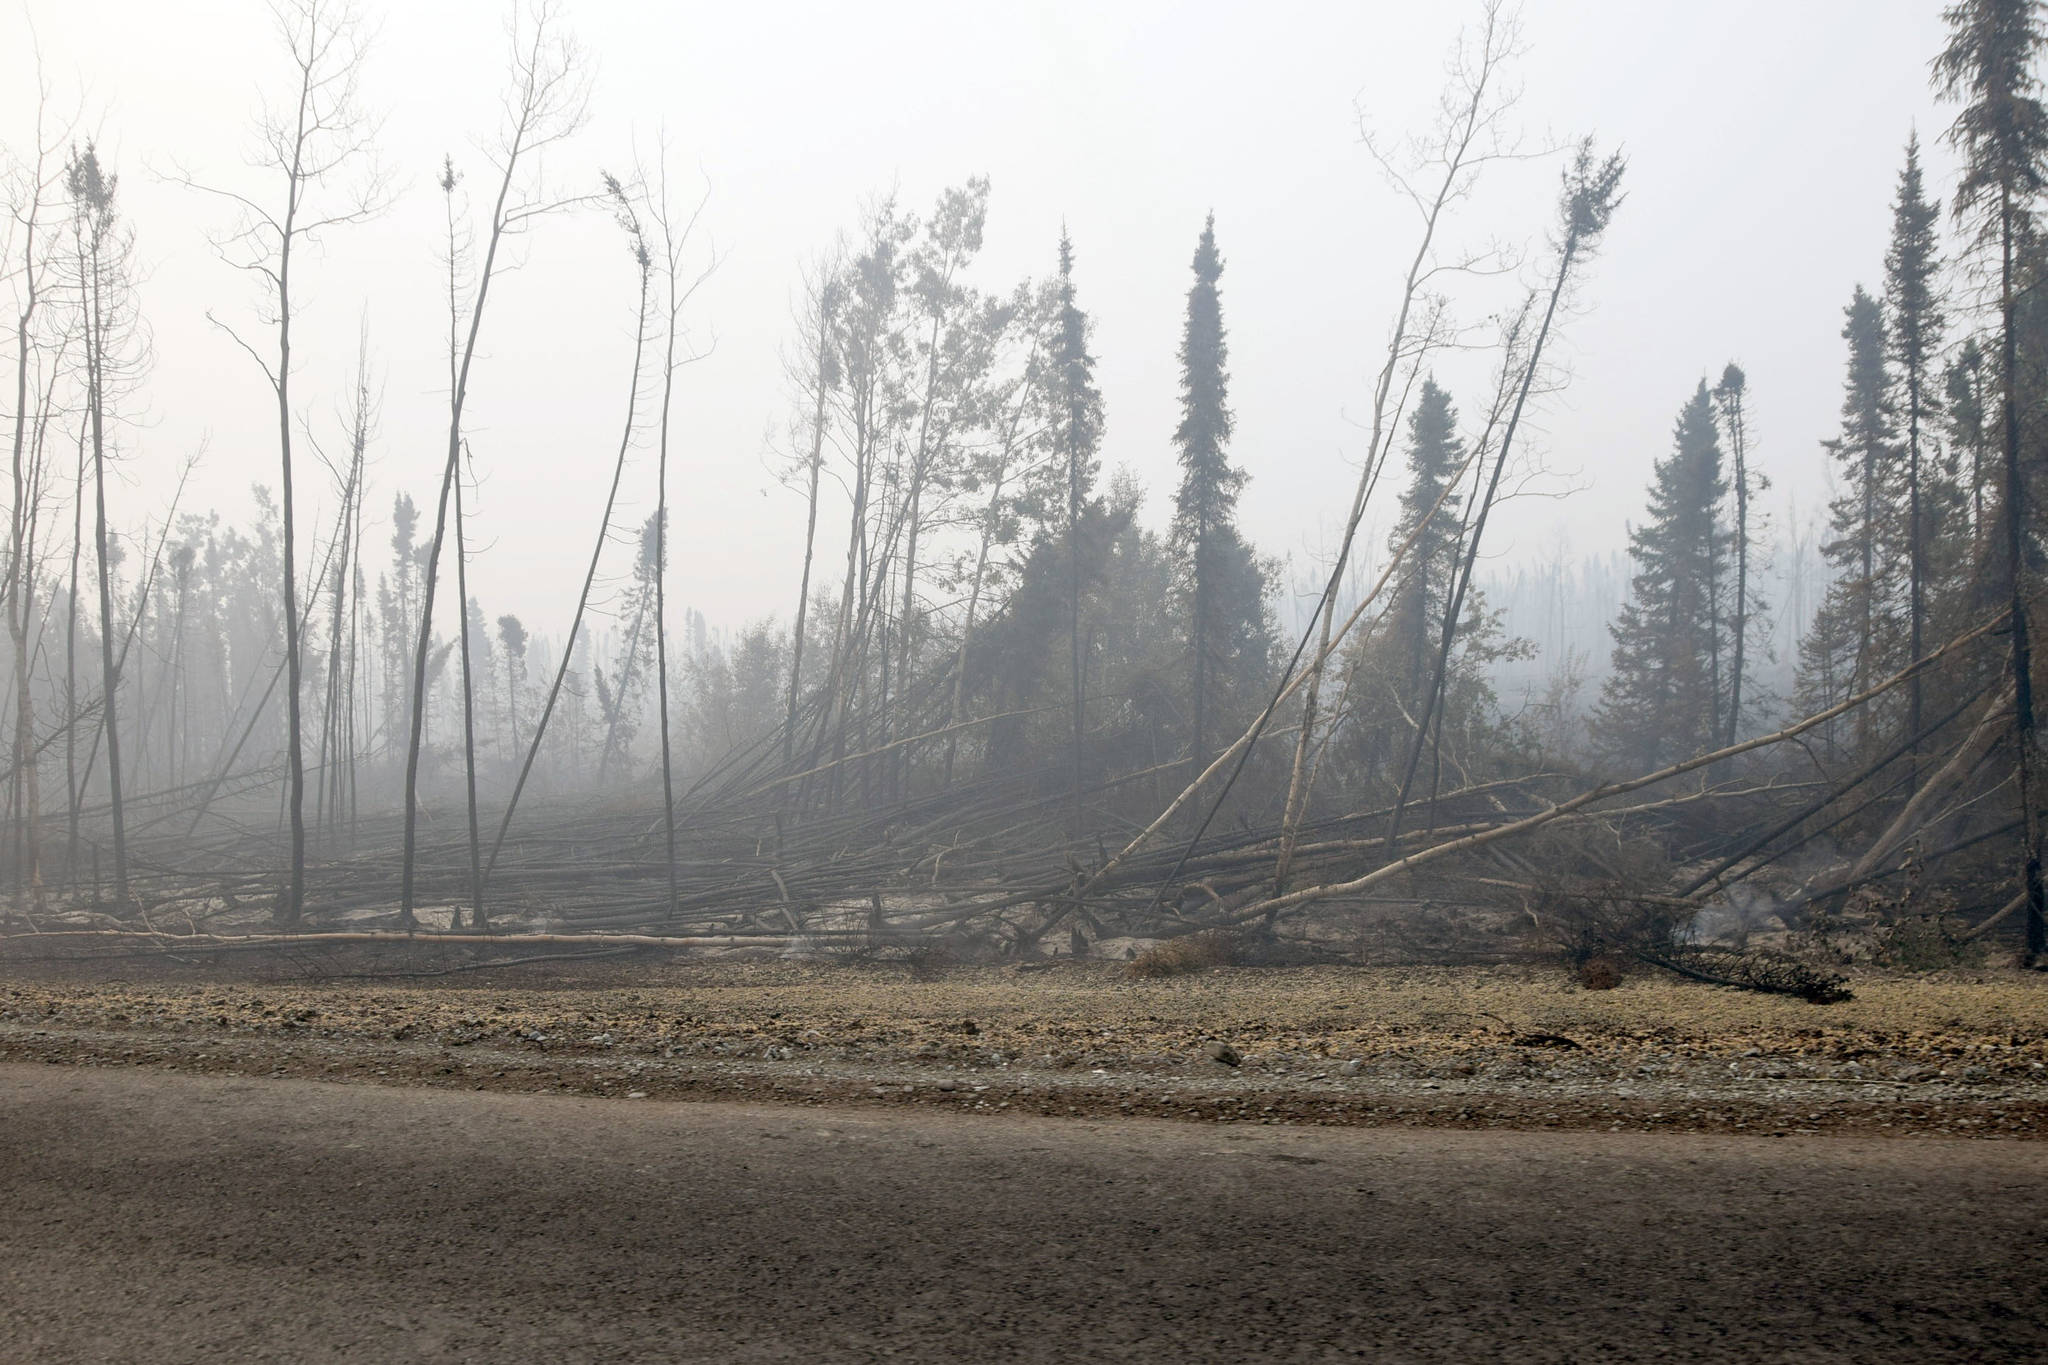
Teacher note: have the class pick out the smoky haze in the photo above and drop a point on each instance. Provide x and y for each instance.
(1759, 176)
(958, 567)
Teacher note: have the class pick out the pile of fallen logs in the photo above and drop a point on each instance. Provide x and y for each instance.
(999, 859)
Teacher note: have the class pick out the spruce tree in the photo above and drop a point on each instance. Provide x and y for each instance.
(1392, 672)
(1970, 423)
(1857, 622)
(1205, 509)
(1914, 326)
(2002, 132)
(1659, 702)
(1434, 455)
(1079, 415)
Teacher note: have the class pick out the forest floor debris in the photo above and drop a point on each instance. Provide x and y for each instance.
(1494, 1046)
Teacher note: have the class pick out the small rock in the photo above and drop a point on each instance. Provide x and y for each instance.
(636, 1094)
(1224, 1053)
(949, 1085)
(1350, 1068)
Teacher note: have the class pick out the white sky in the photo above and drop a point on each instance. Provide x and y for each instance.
(1764, 140)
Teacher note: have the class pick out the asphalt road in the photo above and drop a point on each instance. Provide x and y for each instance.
(155, 1217)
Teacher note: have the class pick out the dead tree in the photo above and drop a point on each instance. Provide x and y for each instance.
(72, 787)
(319, 133)
(546, 105)
(1277, 904)
(643, 264)
(819, 375)
(1730, 397)
(105, 310)
(337, 746)
(476, 876)
(1008, 462)
(674, 240)
(955, 357)
(1591, 194)
(1469, 137)
(38, 183)
(476, 881)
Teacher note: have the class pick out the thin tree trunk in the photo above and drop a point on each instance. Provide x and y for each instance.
(20, 583)
(295, 757)
(109, 674)
(832, 717)
(1273, 906)
(589, 577)
(476, 878)
(1074, 617)
(1916, 560)
(71, 776)
(2015, 575)
(668, 384)
(617, 710)
(1200, 644)
(803, 594)
(1739, 440)
(995, 499)
(449, 471)
(1296, 803)
(1433, 704)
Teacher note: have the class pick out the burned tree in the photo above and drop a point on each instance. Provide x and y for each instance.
(317, 135)
(546, 105)
(106, 317)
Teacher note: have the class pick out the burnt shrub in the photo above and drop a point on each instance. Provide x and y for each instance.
(1600, 974)
(1185, 956)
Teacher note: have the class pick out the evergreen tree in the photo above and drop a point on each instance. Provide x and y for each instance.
(1659, 703)
(1392, 670)
(1079, 407)
(1970, 421)
(1859, 619)
(1204, 522)
(512, 636)
(1434, 455)
(2002, 131)
(1913, 315)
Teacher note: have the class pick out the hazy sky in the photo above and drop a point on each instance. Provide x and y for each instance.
(1764, 141)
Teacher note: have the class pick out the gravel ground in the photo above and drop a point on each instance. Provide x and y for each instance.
(1466, 1047)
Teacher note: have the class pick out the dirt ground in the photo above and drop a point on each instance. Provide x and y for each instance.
(171, 1219)
(1479, 1047)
